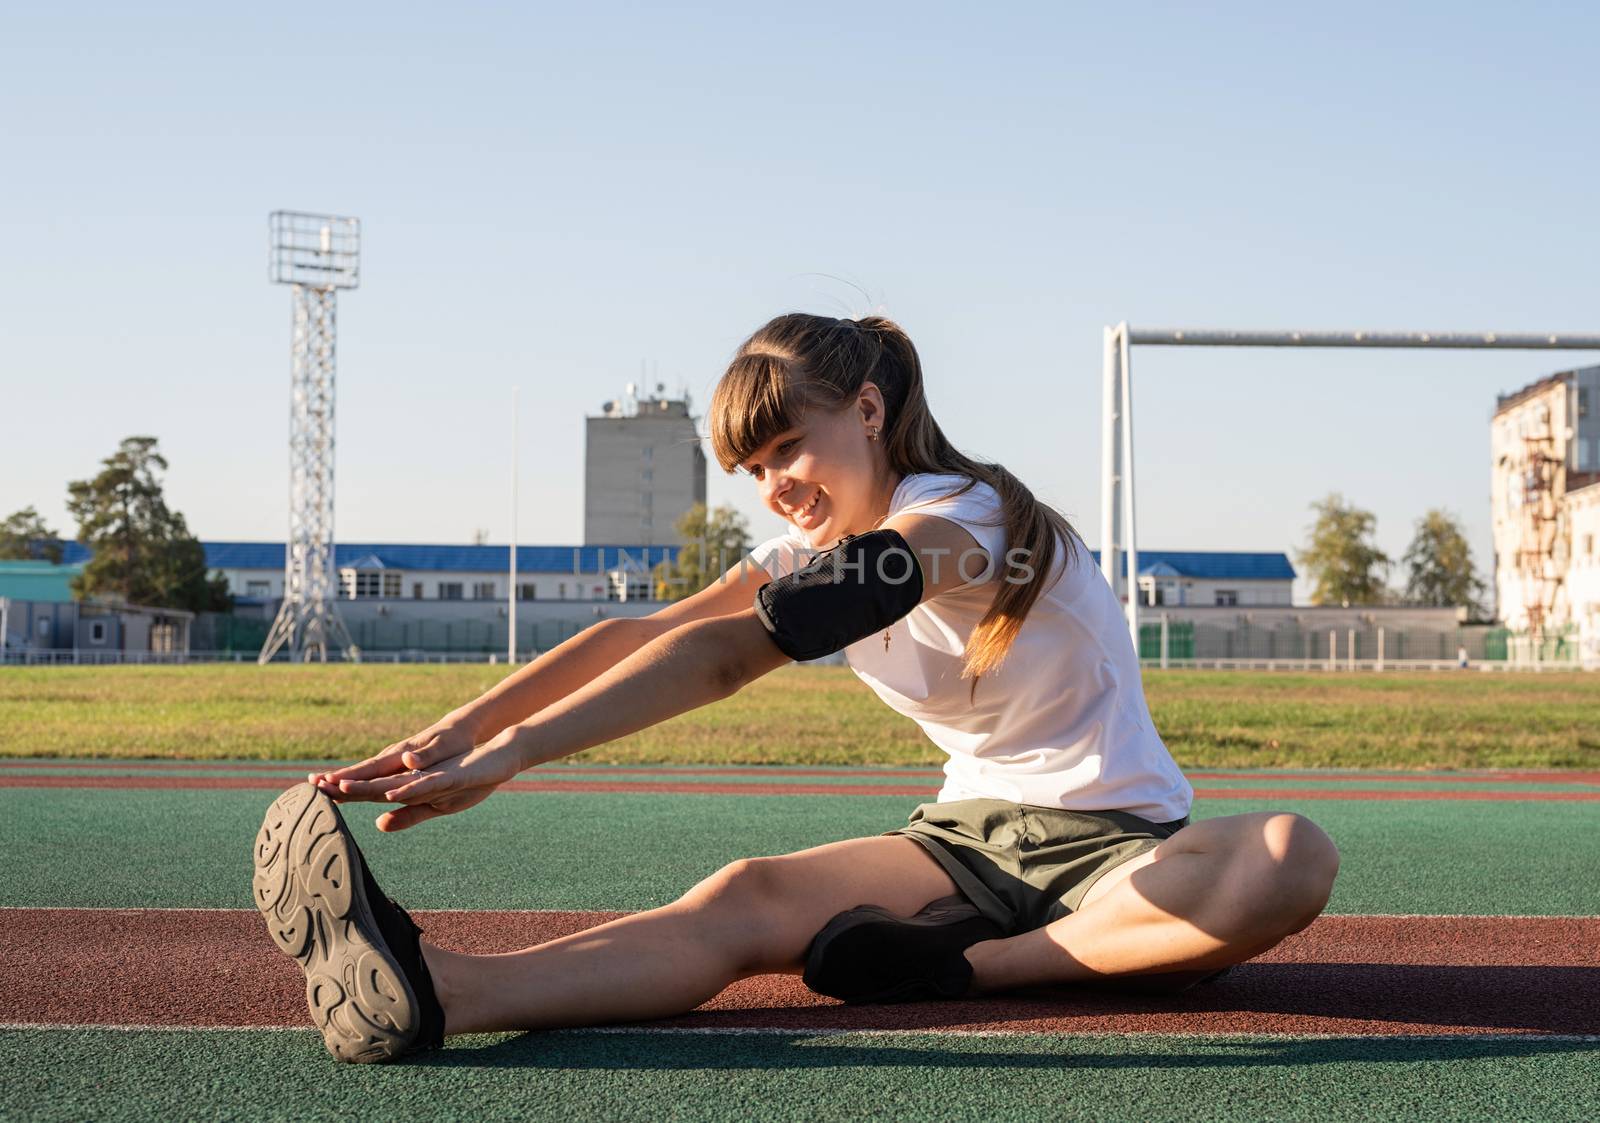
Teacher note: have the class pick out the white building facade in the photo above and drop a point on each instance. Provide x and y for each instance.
(1545, 508)
(413, 572)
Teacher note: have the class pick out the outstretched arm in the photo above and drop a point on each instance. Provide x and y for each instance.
(684, 668)
(563, 670)
(681, 670)
(548, 679)
(688, 666)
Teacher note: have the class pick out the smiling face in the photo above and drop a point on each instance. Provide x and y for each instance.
(824, 474)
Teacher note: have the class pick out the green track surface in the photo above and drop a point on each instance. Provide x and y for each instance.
(151, 848)
(74, 1075)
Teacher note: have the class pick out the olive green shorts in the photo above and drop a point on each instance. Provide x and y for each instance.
(1024, 866)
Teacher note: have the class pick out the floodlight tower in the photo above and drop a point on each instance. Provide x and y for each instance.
(318, 255)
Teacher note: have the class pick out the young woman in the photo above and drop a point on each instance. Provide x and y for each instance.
(1058, 851)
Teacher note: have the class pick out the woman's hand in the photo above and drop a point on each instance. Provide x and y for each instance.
(446, 774)
(440, 741)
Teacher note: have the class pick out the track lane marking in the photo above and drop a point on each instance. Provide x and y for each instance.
(274, 783)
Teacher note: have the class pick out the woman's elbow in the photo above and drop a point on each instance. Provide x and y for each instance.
(741, 651)
(728, 676)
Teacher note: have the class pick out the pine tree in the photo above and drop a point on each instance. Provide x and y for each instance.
(713, 542)
(143, 552)
(1440, 564)
(1344, 563)
(24, 535)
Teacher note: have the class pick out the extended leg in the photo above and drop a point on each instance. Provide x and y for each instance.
(755, 916)
(1214, 894)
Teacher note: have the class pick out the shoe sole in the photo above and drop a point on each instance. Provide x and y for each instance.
(308, 888)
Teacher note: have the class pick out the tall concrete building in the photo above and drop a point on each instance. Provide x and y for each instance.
(1545, 496)
(643, 468)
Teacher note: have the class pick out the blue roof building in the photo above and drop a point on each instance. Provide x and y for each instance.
(1221, 578)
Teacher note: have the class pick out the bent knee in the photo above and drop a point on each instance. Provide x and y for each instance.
(1298, 868)
(741, 907)
(744, 884)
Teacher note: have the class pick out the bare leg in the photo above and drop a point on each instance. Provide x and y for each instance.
(1214, 894)
(756, 916)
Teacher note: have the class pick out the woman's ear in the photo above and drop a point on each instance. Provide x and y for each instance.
(870, 404)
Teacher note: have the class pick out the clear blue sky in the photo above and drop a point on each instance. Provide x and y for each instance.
(551, 194)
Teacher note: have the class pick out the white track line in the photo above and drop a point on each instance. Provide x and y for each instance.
(776, 1031)
(1208, 1037)
(627, 912)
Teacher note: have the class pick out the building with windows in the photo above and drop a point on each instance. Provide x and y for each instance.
(429, 598)
(1212, 578)
(1544, 448)
(411, 572)
(643, 468)
(1237, 608)
(39, 616)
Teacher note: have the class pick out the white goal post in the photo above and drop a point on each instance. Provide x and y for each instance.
(1118, 527)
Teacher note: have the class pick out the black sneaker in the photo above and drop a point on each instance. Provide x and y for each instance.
(367, 986)
(871, 955)
(1167, 982)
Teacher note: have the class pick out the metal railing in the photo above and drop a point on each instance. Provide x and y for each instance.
(1168, 643)
(1163, 644)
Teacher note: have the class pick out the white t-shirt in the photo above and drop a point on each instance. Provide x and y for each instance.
(1062, 723)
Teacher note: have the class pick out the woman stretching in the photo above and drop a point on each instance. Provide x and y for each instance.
(1058, 852)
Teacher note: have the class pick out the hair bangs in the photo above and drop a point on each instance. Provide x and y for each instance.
(753, 402)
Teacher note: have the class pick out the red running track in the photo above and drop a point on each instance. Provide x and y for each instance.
(690, 787)
(117, 764)
(1364, 975)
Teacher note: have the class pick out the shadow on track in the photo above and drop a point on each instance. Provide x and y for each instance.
(1366, 1007)
(581, 1049)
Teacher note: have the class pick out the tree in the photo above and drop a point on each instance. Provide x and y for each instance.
(143, 552)
(712, 542)
(24, 535)
(1345, 564)
(1440, 564)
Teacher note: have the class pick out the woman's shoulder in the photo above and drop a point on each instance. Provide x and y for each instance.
(947, 489)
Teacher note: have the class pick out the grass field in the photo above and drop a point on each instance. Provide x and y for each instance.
(803, 715)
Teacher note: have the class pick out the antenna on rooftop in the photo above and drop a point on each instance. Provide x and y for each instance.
(317, 255)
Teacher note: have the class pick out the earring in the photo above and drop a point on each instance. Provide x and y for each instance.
(872, 433)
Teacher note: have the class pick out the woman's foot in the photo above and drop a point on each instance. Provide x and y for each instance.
(367, 986)
(869, 954)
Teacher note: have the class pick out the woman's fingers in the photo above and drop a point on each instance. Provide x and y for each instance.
(384, 764)
(421, 751)
(402, 817)
(477, 768)
(373, 789)
(432, 753)
(425, 786)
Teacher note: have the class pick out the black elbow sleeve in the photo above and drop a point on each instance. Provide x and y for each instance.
(861, 586)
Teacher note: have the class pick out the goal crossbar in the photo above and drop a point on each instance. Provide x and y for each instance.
(1118, 528)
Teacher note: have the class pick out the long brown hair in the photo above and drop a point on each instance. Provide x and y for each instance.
(798, 362)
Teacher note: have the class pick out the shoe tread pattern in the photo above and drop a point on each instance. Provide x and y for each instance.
(308, 889)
